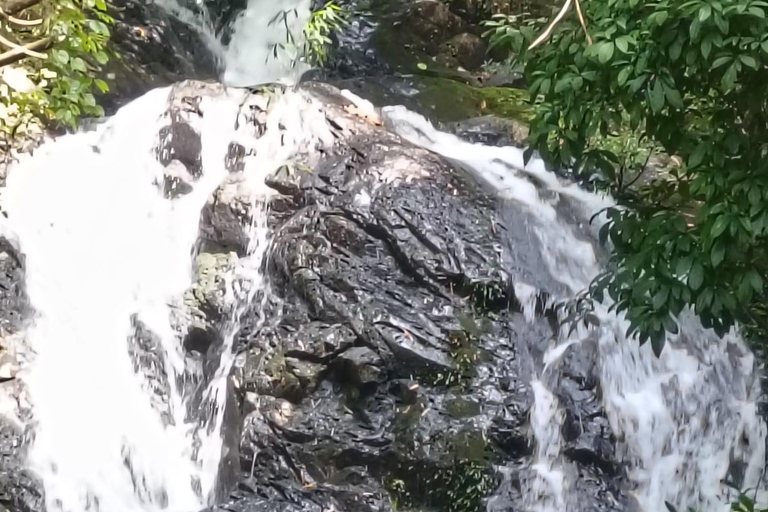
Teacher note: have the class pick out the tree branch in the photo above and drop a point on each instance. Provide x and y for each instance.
(18, 21)
(583, 22)
(18, 54)
(14, 46)
(545, 35)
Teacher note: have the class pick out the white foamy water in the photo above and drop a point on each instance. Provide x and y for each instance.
(267, 53)
(102, 246)
(266, 44)
(682, 420)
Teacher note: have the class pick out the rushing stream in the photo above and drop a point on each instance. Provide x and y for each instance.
(108, 437)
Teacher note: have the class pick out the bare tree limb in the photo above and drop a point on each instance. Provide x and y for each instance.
(582, 21)
(18, 54)
(23, 23)
(545, 35)
(29, 53)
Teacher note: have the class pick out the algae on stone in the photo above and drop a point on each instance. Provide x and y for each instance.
(449, 100)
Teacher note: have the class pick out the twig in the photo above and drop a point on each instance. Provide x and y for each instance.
(24, 49)
(545, 35)
(17, 21)
(17, 54)
(582, 21)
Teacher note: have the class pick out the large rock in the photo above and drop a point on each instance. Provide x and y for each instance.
(155, 50)
(19, 489)
(394, 370)
(466, 50)
(433, 21)
(13, 299)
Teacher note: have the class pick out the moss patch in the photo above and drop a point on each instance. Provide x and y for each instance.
(447, 100)
(457, 483)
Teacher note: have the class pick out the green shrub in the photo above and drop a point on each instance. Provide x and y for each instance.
(685, 77)
(54, 80)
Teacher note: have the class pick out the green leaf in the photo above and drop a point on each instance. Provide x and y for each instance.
(657, 342)
(606, 52)
(718, 228)
(706, 47)
(755, 280)
(673, 97)
(704, 301)
(656, 96)
(720, 61)
(624, 75)
(718, 253)
(695, 28)
(78, 64)
(683, 266)
(660, 299)
(545, 85)
(61, 56)
(622, 43)
(563, 84)
(729, 77)
(675, 49)
(748, 61)
(101, 57)
(696, 277)
(102, 85)
(697, 156)
(705, 12)
(637, 83)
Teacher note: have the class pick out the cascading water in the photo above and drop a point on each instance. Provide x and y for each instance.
(684, 420)
(106, 251)
(266, 44)
(103, 245)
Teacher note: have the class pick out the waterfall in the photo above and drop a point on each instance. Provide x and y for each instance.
(109, 258)
(273, 51)
(108, 252)
(684, 419)
(266, 44)
(103, 245)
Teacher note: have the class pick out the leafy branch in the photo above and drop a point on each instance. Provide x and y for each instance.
(682, 78)
(55, 50)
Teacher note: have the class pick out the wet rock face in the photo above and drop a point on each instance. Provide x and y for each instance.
(465, 50)
(433, 20)
(19, 490)
(156, 50)
(13, 299)
(394, 367)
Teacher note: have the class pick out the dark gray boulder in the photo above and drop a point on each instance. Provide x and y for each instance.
(396, 370)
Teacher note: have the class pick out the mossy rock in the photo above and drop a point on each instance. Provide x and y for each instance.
(406, 54)
(446, 101)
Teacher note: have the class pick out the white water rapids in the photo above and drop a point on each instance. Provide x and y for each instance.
(104, 248)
